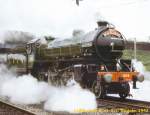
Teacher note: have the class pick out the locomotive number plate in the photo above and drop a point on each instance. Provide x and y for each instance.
(111, 32)
(126, 75)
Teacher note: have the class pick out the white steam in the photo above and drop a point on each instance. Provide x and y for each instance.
(143, 91)
(15, 36)
(4, 75)
(26, 89)
(138, 65)
(70, 99)
(3, 57)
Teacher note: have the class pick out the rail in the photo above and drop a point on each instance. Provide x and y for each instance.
(127, 105)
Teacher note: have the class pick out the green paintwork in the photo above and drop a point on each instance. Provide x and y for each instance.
(63, 51)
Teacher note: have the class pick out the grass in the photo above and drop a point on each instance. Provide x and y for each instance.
(142, 55)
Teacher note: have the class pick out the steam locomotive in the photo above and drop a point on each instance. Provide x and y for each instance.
(92, 59)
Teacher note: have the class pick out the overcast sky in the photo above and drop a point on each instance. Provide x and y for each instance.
(61, 17)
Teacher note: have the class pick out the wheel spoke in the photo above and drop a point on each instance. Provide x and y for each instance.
(98, 90)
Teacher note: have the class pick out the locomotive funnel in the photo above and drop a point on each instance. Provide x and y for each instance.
(102, 23)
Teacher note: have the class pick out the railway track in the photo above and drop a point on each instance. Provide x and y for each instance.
(109, 106)
(8, 108)
(114, 104)
(11, 109)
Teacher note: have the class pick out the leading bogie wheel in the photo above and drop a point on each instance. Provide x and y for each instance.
(98, 90)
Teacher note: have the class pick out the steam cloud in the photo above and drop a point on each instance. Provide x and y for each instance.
(17, 36)
(70, 99)
(139, 67)
(143, 91)
(26, 89)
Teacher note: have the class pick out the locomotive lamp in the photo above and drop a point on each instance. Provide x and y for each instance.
(108, 78)
(140, 77)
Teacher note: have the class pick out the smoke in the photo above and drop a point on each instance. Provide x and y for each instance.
(5, 75)
(15, 36)
(70, 99)
(142, 91)
(139, 67)
(3, 58)
(26, 89)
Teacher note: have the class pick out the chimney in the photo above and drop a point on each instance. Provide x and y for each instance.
(102, 23)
